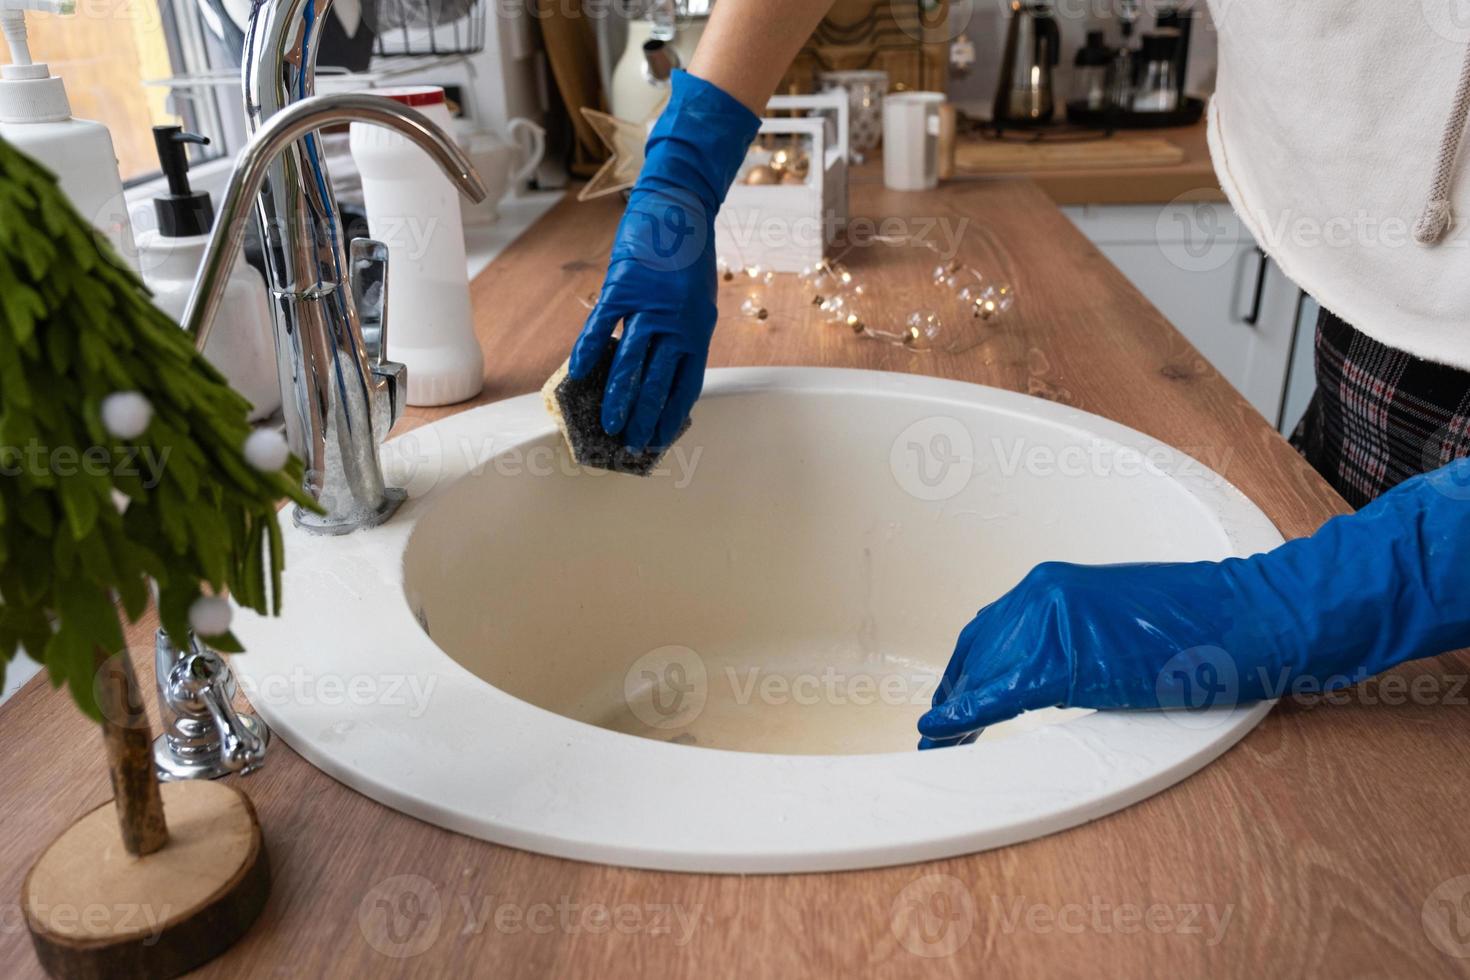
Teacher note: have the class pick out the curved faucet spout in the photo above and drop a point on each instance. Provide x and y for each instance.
(340, 394)
(338, 402)
(283, 129)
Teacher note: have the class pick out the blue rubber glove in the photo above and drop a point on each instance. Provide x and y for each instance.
(661, 277)
(1369, 590)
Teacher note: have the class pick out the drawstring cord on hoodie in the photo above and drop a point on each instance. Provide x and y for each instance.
(1435, 220)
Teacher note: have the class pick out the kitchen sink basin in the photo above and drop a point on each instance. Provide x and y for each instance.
(719, 667)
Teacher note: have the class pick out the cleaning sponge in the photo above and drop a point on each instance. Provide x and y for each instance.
(577, 408)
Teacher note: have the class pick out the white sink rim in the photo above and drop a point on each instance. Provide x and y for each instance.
(595, 795)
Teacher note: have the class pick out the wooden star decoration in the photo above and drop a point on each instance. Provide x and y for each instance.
(624, 141)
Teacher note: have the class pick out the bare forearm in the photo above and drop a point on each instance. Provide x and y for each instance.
(749, 44)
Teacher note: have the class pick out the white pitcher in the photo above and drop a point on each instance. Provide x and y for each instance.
(495, 159)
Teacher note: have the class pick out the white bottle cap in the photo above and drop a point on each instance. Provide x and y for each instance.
(29, 92)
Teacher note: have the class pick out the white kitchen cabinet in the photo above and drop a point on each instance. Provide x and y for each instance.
(1199, 266)
(21, 669)
(1301, 378)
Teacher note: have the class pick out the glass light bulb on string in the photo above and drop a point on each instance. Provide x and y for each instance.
(835, 308)
(753, 282)
(760, 274)
(993, 301)
(972, 287)
(754, 308)
(925, 328)
(819, 279)
(953, 310)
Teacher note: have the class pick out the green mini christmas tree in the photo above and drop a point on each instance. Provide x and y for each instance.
(126, 459)
(88, 514)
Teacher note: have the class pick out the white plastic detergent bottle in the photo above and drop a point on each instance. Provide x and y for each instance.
(35, 117)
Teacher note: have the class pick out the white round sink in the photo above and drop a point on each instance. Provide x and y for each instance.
(720, 667)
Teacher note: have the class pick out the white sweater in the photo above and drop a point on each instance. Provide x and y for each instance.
(1324, 129)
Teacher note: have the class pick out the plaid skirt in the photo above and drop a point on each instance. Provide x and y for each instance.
(1379, 416)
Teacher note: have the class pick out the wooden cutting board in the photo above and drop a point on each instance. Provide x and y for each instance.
(1006, 157)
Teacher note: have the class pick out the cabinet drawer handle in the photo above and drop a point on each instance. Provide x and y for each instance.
(1262, 264)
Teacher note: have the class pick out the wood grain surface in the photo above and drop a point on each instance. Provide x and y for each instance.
(1321, 845)
(1192, 177)
(1006, 157)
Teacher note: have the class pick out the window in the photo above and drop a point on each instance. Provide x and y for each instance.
(106, 51)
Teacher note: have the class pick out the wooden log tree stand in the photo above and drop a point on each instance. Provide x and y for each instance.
(171, 882)
(91, 365)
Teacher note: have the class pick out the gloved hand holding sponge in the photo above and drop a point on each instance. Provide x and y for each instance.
(1369, 590)
(660, 285)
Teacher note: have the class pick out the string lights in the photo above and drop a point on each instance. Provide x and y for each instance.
(959, 303)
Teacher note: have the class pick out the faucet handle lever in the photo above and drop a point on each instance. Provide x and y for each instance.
(242, 749)
(369, 272)
(369, 259)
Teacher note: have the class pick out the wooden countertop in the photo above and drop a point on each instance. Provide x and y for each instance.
(1194, 175)
(1320, 836)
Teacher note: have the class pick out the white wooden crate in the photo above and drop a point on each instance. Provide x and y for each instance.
(787, 227)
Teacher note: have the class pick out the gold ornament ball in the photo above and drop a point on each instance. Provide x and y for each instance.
(762, 174)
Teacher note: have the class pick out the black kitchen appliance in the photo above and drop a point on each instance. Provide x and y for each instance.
(1024, 95)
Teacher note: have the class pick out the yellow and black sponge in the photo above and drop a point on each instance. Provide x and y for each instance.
(577, 408)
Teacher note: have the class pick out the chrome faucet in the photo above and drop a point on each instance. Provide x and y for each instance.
(340, 393)
(203, 737)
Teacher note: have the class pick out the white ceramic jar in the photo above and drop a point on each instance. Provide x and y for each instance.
(240, 343)
(414, 210)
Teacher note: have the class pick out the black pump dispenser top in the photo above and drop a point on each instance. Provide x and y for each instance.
(182, 212)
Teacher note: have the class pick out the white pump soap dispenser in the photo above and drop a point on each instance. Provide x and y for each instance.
(35, 117)
(241, 343)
